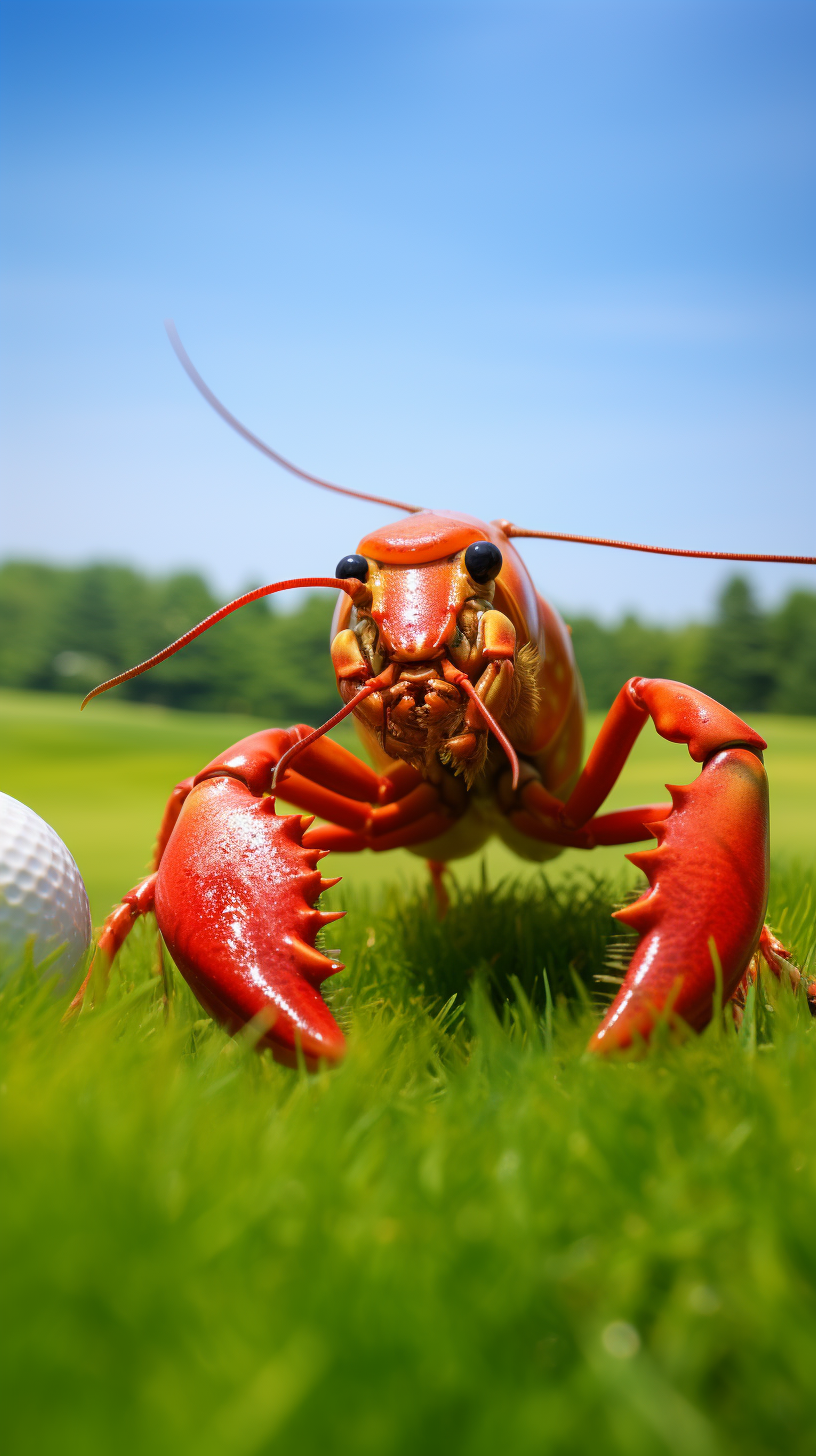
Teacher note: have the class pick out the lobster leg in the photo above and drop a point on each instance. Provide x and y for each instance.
(778, 960)
(235, 885)
(137, 902)
(624, 826)
(172, 810)
(701, 918)
(437, 870)
(114, 933)
(364, 810)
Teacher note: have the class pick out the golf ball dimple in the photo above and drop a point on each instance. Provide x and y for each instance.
(43, 900)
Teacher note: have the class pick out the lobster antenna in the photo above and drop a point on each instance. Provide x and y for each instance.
(374, 684)
(510, 530)
(189, 367)
(471, 692)
(350, 586)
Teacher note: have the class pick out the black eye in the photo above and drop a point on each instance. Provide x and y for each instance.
(352, 566)
(483, 561)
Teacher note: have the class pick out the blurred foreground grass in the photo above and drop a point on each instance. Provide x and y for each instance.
(469, 1238)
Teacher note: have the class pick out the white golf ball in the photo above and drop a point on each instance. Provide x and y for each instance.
(43, 900)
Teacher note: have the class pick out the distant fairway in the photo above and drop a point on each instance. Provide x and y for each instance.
(102, 778)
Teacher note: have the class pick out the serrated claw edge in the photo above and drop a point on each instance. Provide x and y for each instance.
(708, 881)
(235, 903)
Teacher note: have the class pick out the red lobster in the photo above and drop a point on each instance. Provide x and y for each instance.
(464, 687)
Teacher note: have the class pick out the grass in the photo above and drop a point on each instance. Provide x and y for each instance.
(469, 1237)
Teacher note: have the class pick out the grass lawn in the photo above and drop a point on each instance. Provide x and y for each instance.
(467, 1239)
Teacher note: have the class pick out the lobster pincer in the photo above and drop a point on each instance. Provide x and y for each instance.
(235, 885)
(701, 917)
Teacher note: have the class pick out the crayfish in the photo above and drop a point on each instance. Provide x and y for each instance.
(464, 688)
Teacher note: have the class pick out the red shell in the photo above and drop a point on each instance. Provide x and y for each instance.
(427, 536)
(234, 902)
(708, 881)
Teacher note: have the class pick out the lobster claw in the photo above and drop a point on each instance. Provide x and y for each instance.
(701, 918)
(234, 900)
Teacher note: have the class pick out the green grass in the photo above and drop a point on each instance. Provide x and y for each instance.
(469, 1238)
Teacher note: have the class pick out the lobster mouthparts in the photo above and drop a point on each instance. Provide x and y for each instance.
(235, 897)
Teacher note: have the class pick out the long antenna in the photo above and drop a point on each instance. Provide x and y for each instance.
(350, 586)
(380, 500)
(510, 530)
(189, 367)
(382, 680)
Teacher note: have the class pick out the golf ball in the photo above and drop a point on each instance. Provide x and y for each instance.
(43, 900)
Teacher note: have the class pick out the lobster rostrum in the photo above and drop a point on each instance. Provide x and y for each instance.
(464, 688)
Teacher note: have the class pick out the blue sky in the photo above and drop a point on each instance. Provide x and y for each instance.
(551, 261)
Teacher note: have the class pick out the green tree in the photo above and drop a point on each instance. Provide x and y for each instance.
(64, 629)
(736, 664)
(30, 605)
(792, 631)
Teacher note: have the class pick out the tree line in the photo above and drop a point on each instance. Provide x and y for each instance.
(63, 629)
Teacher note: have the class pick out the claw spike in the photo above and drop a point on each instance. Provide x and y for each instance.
(647, 860)
(327, 884)
(311, 890)
(326, 916)
(312, 962)
(639, 916)
(658, 829)
(291, 827)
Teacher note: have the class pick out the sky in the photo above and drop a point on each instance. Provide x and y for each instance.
(552, 262)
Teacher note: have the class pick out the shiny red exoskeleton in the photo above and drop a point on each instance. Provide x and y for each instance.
(465, 690)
